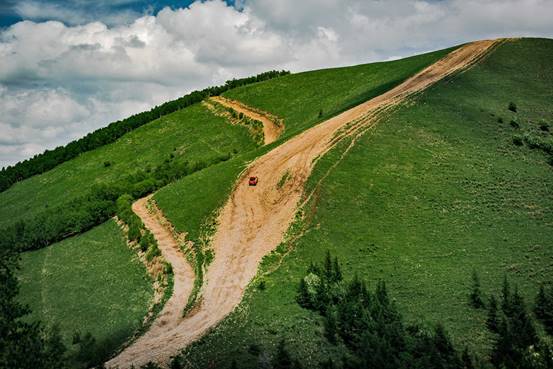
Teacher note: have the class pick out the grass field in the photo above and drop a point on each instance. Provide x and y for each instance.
(89, 283)
(436, 190)
(190, 202)
(301, 98)
(191, 134)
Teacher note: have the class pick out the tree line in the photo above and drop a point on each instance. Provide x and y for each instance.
(369, 325)
(49, 159)
(94, 208)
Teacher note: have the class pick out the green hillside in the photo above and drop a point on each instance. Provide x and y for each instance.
(457, 180)
(307, 98)
(191, 134)
(92, 283)
(437, 189)
(297, 98)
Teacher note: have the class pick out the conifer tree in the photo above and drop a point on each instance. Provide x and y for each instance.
(303, 297)
(506, 297)
(492, 320)
(541, 303)
(544, 308)
(328, 270)
(337, 271)
(282, 359)
(466, 358)
(446, 356)
(330, 325)
(476, 294)
(522, 323)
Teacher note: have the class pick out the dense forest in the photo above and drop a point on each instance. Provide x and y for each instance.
(50, 158)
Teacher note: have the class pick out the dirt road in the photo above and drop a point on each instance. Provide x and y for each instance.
(271, 130)
(254, 219)
(152, 344)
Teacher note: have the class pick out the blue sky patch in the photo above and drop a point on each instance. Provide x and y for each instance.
(74, 12)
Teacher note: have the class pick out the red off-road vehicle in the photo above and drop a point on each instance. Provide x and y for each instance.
(253, 181)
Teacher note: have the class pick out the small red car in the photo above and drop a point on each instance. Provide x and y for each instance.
(253, 181)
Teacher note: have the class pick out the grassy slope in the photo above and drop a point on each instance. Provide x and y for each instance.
(120, 287)
(92, 283)
(433, 191)
(297, 98)
(190, 134)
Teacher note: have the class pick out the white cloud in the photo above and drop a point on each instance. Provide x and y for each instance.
(58, 81)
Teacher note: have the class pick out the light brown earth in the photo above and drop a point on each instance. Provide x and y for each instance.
(151, 345)
(271, 128)
(254, 219)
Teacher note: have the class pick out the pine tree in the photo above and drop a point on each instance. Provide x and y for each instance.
(328, 364)
(328, 270)
(330, 325)
(466, 358)
(504, 353)
(544, 308)
(446, 356)
(303, 298)
(506, 297)
(282, 359)
(337, 271)
(476, 294)
(23, 344)
(492, 320)
(541, 302)
(522, 323)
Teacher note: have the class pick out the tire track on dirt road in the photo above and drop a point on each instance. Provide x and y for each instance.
(161, 332)
(254, 219)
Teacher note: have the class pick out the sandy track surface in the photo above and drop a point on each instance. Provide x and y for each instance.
(271, 130)
(254, 219)
(151, 346)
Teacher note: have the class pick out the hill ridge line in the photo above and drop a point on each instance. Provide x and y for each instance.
(254, 219)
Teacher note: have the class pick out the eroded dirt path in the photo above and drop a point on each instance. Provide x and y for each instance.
(152, 345)
(254, 219)
(271, 129)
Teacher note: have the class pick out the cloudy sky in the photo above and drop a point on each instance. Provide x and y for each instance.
(68, 67)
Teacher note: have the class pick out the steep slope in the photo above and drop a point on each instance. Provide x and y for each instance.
(435, 189)
(192, 134)
(191, 202)
(254, 220)
(92, 283)
(307, 98)
(161, 332)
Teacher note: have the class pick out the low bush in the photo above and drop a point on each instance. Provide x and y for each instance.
(512, 107)
(153, 251)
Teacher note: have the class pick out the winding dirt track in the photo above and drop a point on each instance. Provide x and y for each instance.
(150, 346)
(271, 130)
(254, 219)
